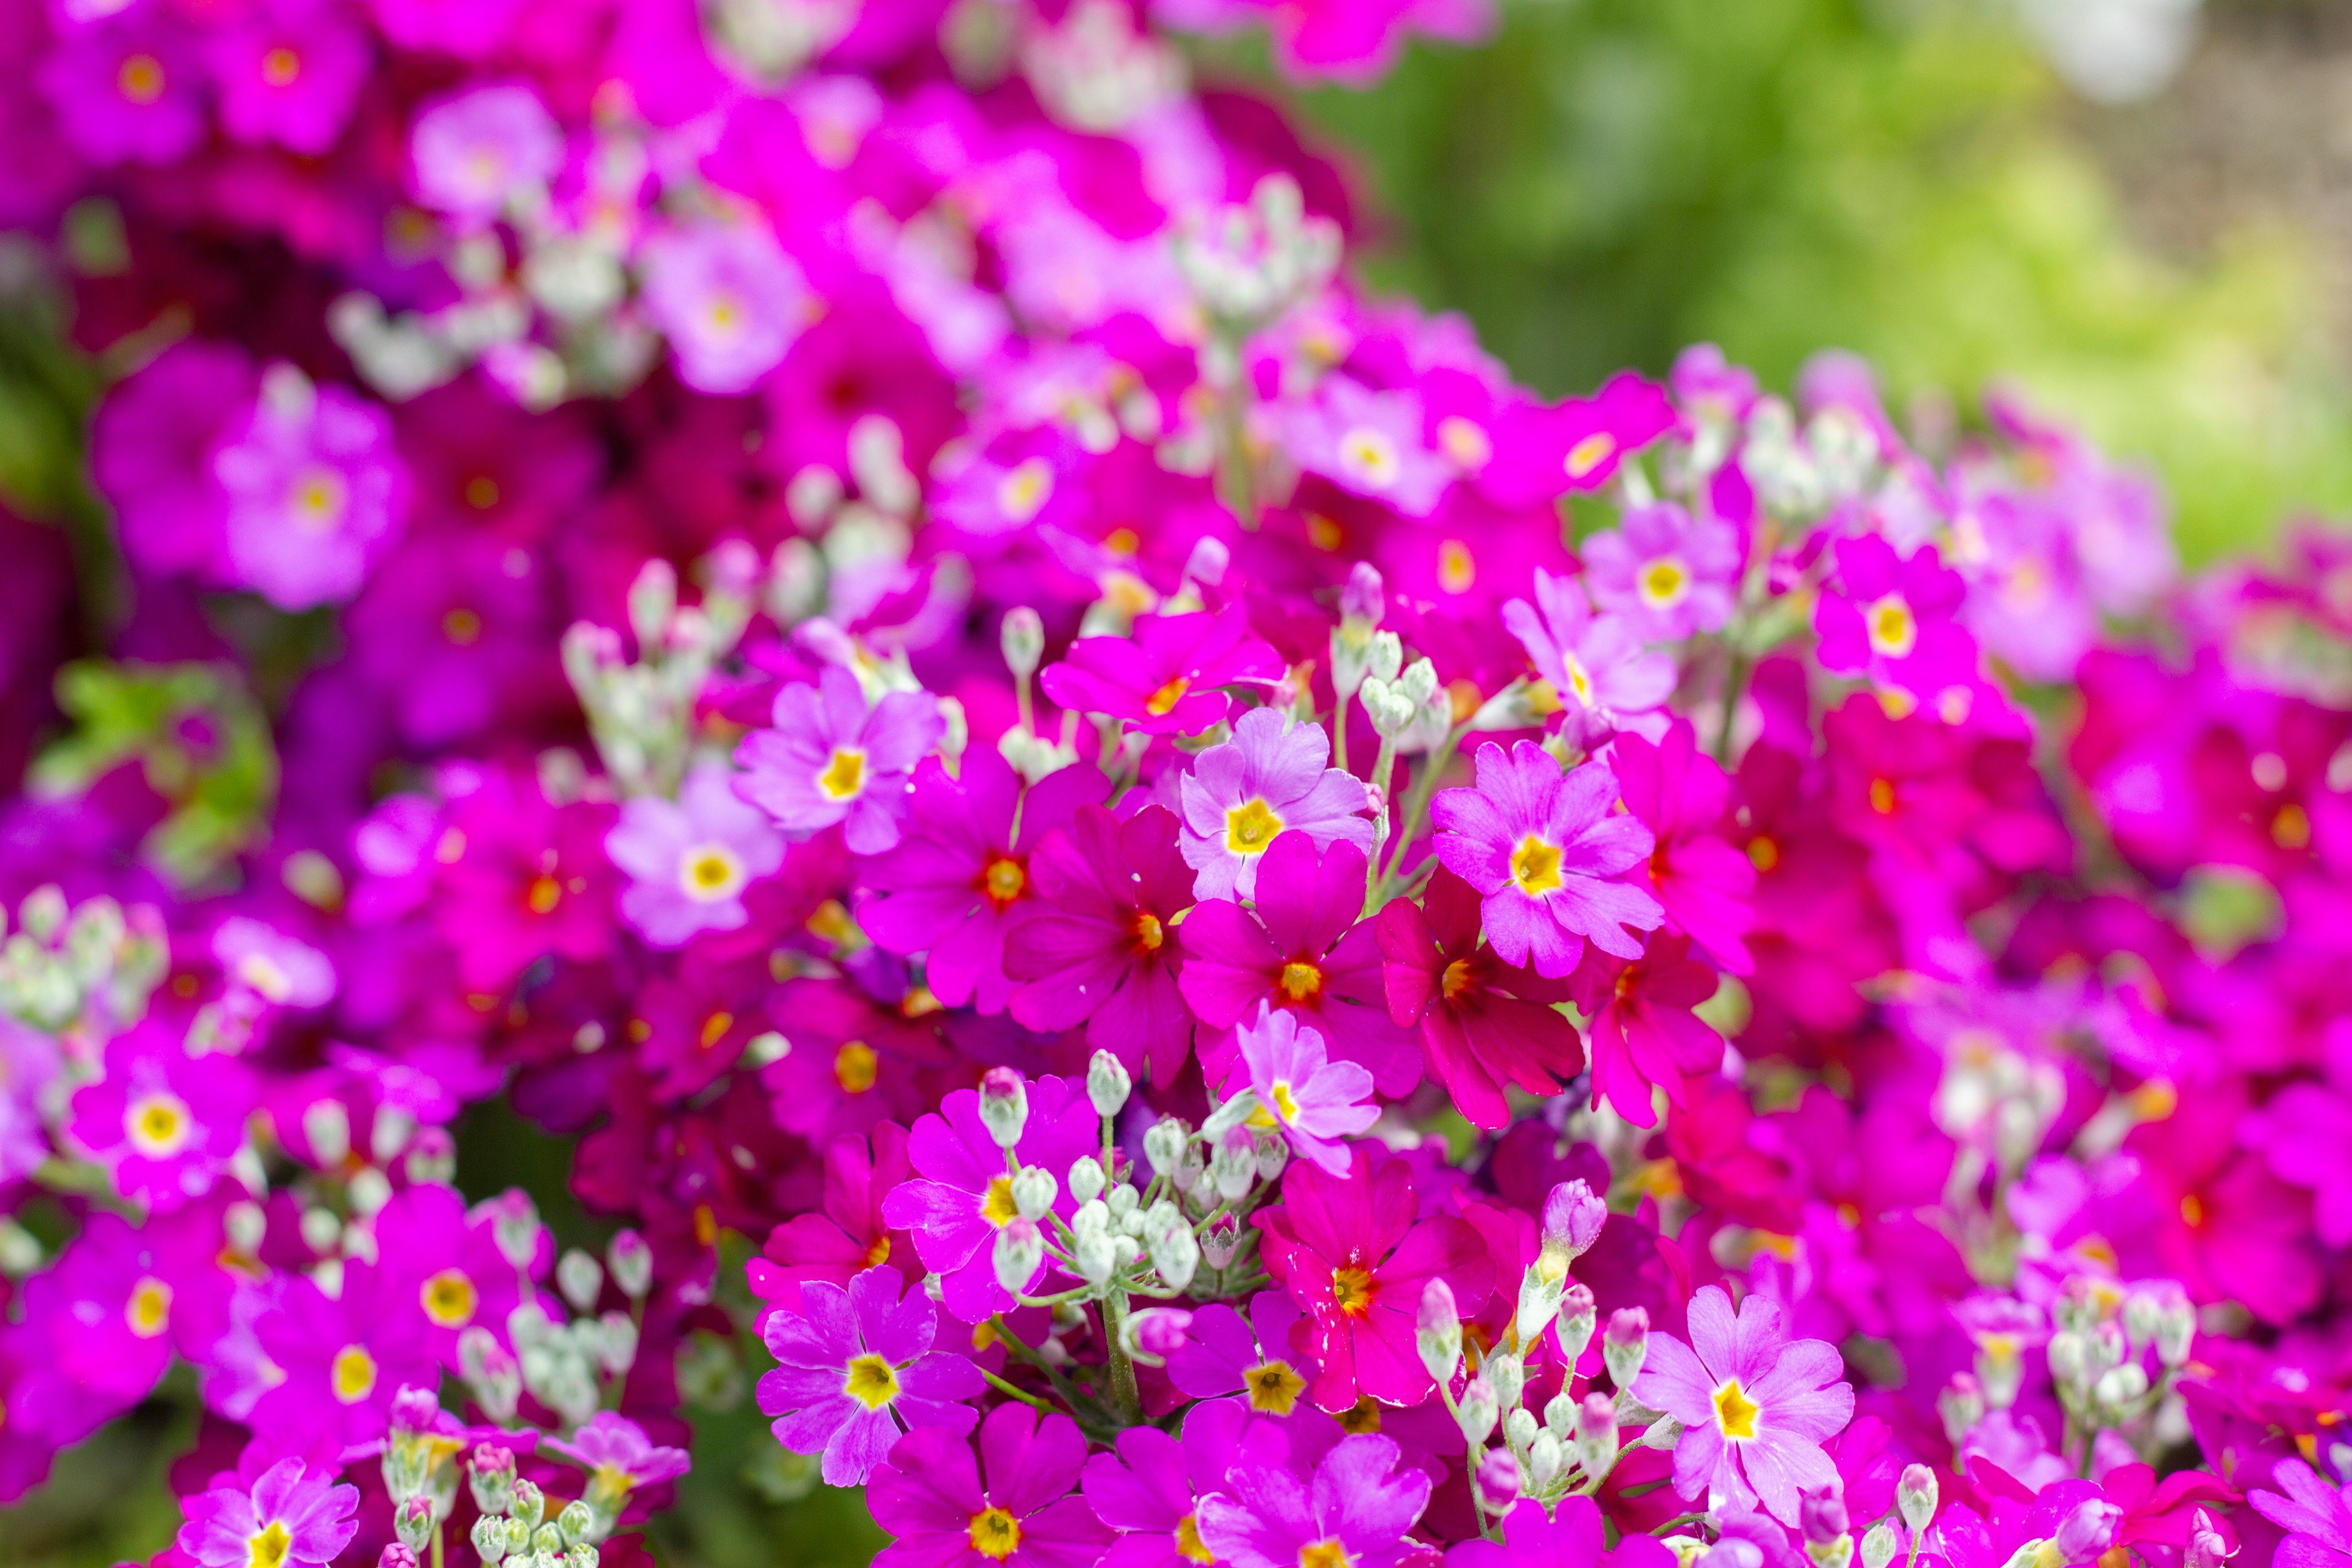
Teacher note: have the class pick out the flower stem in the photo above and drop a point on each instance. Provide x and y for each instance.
(1022, 1394)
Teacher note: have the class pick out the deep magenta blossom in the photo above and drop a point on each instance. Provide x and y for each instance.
(1704, 884)
(1151, 1491)
(1224, 1354)
(1644, 1033)
(1165, 678)
(691, 860)
(831, 758)
(1594, 664)
(1571, 1538)
(127, 88)
(316, 491)
(1269, 779)
(290, 1514)
(1314, 1101)
(1894, 620)
(1545, 850)
(931, 1496)
(2314, 1514)
(165, 1124)
(1756, 1406)
(1668, 574)
(1354, 1507)
(856, 1369)
(289, 73)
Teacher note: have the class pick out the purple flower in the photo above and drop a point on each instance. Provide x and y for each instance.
(966, 1195)
(1542, 848)
(2314, 1514)
(857, 1370)
(467, 29)
(1149, 1491)
(2306, 1133)
(28, 1062)
(1755, 1405)
(729, 299)
(316, 491)
(289, 1514)
(1573, 1540)
(288, 74)
(331, 1366)
(1668, 574)
(1224, 1355)
(1594, 663)
(128, 89)
(959, 883)
(831, 759)
(1315, 1101)
(1368, 443)
(151, 452)
(1355, 1509)
(166, 1126)
(1165, 678)
(1894, 620)
(473, 152)
(932, 1498)
(1269, 779)
(619, 1458)
(691, 860)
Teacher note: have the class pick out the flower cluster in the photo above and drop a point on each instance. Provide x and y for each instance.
(1174, 922)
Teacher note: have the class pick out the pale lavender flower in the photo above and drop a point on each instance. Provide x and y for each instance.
(291, 1515)
(729, 299)
(831, 759)
(473, 152)
(858, 1371)
(619, 1458)
(690, 859)
(316, 491)
(2314, 1515)
(1355, 1509)
(1668, 574)
(1270, 778)
(1368, 443)
(1316, 1101)
(1594, 662)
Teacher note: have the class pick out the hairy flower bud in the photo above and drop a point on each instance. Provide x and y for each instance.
(1508, 1376)
(529, 1507)
(1221, 1240)
(1578, 1318)
(1961, 1405)
(1164, 1143)
(395, 1555)
(1107, 1084)
(1175, 1252)
(1820, 1514)
(1547, 1456)
(631, 1264)
(1086, 1178)
(1003, 1106)
(1498, 1479)
(1437, 1331)
(1596, 1438)
(2088, 1530)
(2207, 1547)
(1476, 1410)
(1879, 1547)
(1023, 639)
(490, 1538)
(1915, 1495)
(1573, 1217)
(575, 1521)
(1020, 1248)
(1626, 1345)
(1033, 1191)
(491, 1476)
(413, 1522)
(580, 1278)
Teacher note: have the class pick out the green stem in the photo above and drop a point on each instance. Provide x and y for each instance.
(1735, 686)
(1122, 1367)
(1022, 1394)
(1416, 806)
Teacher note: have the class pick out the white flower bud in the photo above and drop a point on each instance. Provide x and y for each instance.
(580, 1278)
(1033, 1191)
(1174, 1252)
(1437, 1331)
(1164, 1145)
(1107, 1084)
(1476, 1410)
(1878, 1547)
(1020, 1248)
(1086, 1178)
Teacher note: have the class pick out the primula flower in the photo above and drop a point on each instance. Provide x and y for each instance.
(1483, 1022)
(289, 73)
(1593, 663)
(2314, 1514)
(290, 1514)
(151, 452)
(729, 299)
(1668, 574)
(931, 1497)
(1270, 778)
(1367, 443)
(448, 1263)
(1101, 950)
(1702, 883)
(1893, 619)
(520, 878)
(1572, 1538)
(316, 491)
(1224, 1355)
(966, 1194)
(854, 1061)
(336, 1362)
(1314, 1101)
(127, 88)
(1643, 1032)
(166, 1126)
(619, 1458)
(850, 1236)
(1349, 1251)
(857, 1370)
(1151, 1488)
(475, 152)
(28, 1064)
(832, 759)
(1163, 679)
(1755, 1405)
(1578, 444)
(1302, 950)
(1354, 1509)
(691, 860)
(959, 883)
(1543, 849)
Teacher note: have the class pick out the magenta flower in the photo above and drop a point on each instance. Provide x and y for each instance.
(474, 152)
(1543, 849)
(1578, 444)
(469, 29)
(832, 759)
(958, 884)
(337, 1362)
(151, 453)
(448, 1263)
(1370, 443)
(858, 1370)
(1165, 678)
(1483, 1024)
(691, 860)
(28, 1064)
(316, 491)
(520, 878)
(1756, 1406)
(966, 1194)
(1572, 1539)
(1224, 1355)
(1151, 1488)
(289, 73)
(1315, 1101)
(1349, 1253)
(1594, 663)
(849, 1236)
(2314, 1514)
(1643, 1031)
(1269, 779)
(2305, 1131)
(1303, 952)
(1101, 950)
(166, 1126)
(1894, 620)
(931, 1497)
(618, 1456)
(128, 89)
(290, 1514)
(1668, 574)
(1704, 884)
(729, 299)
(1355, 1509)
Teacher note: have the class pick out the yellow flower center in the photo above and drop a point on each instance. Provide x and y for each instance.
(1463, 442)
(1664, 583)
(854, 1066)
(1351, 1289)
(1274, 1388)
(1325, 1553)
(1459, 977)
(710, 872)
(157, 1125)
(995, 1533)
(1456, 567)
(1588, 454)
(723, 315)
(1535, 867)
(1764, 852)
(1580, 680)
(1882, 797)
(1021, 495)
(140, 80)
(996, 1206)
(1165, 700)
(319, 499)
(880, 1253)
(2192, 1212)
(448, 1299)
(353, 1374)
(1004, 880)
(462, 626)
(149, 1311)
(481, 492)
(2291, 829)
(1250, 827)
(715, 1028)
(1149, 933)
(1279, 1098)
(1187, 1542)
(1362, 1417)
(1368, 457)
(1893, 631)
(267, 1549)
(871, 1382)
(844, 776)
(1300, 981)
(1734, 1412)
(279, 66)
(544, 894)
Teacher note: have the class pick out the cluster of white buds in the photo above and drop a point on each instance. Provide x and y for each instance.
(1799, 475)
(1246, 264)
(1099, 72)
(513, 1527)
(641, 710)
(565, 1365)
(90, 966)
(1995, 1100)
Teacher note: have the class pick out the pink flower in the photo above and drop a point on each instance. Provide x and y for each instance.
(729, 299)
(128, 89)
(1368, 443)
(473, 152)
(166, 1126)
(1668, 574)
(1349, 1251)
(617, 1454)
(832, 759)
(1572, 1538)
(1702, 882)
(1894, 620)
(1643, 1032)
(1754, 1406)
(151, 453)
(467, 29)
(1543, 851)
(849, 1236)
(338, 1360)
(931, 1497)
(1165, 678)
(1540, 452)
(1269, 779)
(691, 861)
(1315, 1101)
(289, 73)
(1594, 663)
(1354, 1507)
(857, 1370)
(290, 1514)
(1151, 1489)
(316, 491)
(1225, 1355)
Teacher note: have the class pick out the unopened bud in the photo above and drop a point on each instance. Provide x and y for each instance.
(1478, 1410)
(1498, 1479)
(1596, 1438)
(1507, 1375)
(1232, 1164)
(1175, 1252)
(1520, 1428)
(395, 1555)
(1879, 1547)
(515, 1227)
(1577, 1317)
(1159, 1331)
(490, 1475)
(1033, 1191)
(1626, 1345)
(2120, 1387)
(1020, 1248)
(1164, 1143)
(529, 1507)
(631, 1263)
(1365, 598)
(2175, 1333)
(581, 1279)
(1560, 1415)
(1539, 1300)
(1820, 1514)
(1108, 1084)
(2087, 1531)
(575, 1521)
(490, 1537)
(2207, 1547)
(1003, 1106)
(1573, 1215)
(1437, 1331)
(1221, 1240)
(1023, 639)
(1915, 1495)
(1206, 565)
(1547, 1456)
(413, 1522)
(1961, 1404)
(1085, 1180)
